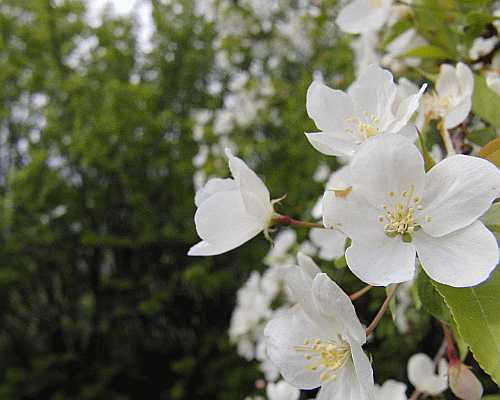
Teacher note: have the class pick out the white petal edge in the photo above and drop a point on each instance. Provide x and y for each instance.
(463, 258)
(332, 302)
(458, 190)
(382, 263)
(384, 164)
(333, 144)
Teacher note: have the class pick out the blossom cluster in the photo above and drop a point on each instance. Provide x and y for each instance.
(392, 209)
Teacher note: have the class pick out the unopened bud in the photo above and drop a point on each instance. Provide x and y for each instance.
(463, 382)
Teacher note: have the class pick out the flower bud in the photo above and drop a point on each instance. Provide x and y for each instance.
(463, 383)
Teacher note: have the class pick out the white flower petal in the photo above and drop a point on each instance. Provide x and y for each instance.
(363, 16)
(447, 83)
(458, 114)
(332, 302)
(382, 262)
(391, 390)
(458, 190)
(333, 144)
(308, 265)
(421, 374)
(340, 179)
(254, 192)
(331, 243)
(374, 93)
(283, 333)
(462, 258)
(328, 108)
(385, 164)
(405, 110)
(213, 186)
(353, 216)
(223, 222)
(364, 371)
(344, 387)
(409, 131)
(466, 79)
(281, 391)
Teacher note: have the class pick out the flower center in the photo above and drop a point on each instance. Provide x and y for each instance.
(436, 106)
(327, 356)
(376, 3)
(364, 128)
(402, 219)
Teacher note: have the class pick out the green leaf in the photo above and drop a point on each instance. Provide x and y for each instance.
(476, 313)
(482, 136)
(430, 298)
(428, 51)
(492, 397)
(492, 218)
(428, 160)
(485, 102)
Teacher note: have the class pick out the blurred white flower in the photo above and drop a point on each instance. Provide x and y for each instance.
(370, 107)
(391, 390)
(481, 47)
(403, 302)
(281, 391)
(279, 253)
(452, 99)
(231, 211)
(493, 81)
(365, 51)
(330, 242)
(421, 374)
(318, 341)
(396, 210)
(364, 15)
(395, 57)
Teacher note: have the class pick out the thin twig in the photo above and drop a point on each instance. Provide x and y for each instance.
(382, 310)
(359, 293)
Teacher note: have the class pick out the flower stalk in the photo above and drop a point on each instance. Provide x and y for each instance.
(289, 221)
(382, 309)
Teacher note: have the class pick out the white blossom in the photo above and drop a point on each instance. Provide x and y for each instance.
(281, 391)
(330, 242)
(370, 107)
(452, 99)
(365, 51)
(231, 211)
(395, 51)
(364, 15)
(395, 210)
(391, 390)
(421, 374)
(279, 253)
(481, 47)
(318, 341)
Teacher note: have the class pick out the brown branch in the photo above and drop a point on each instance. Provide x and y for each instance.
(382, 310)
(359, 293)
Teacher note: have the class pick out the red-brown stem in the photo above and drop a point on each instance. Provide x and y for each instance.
(452, 351)
(359, 293)
(286, 220)
(382, 310)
